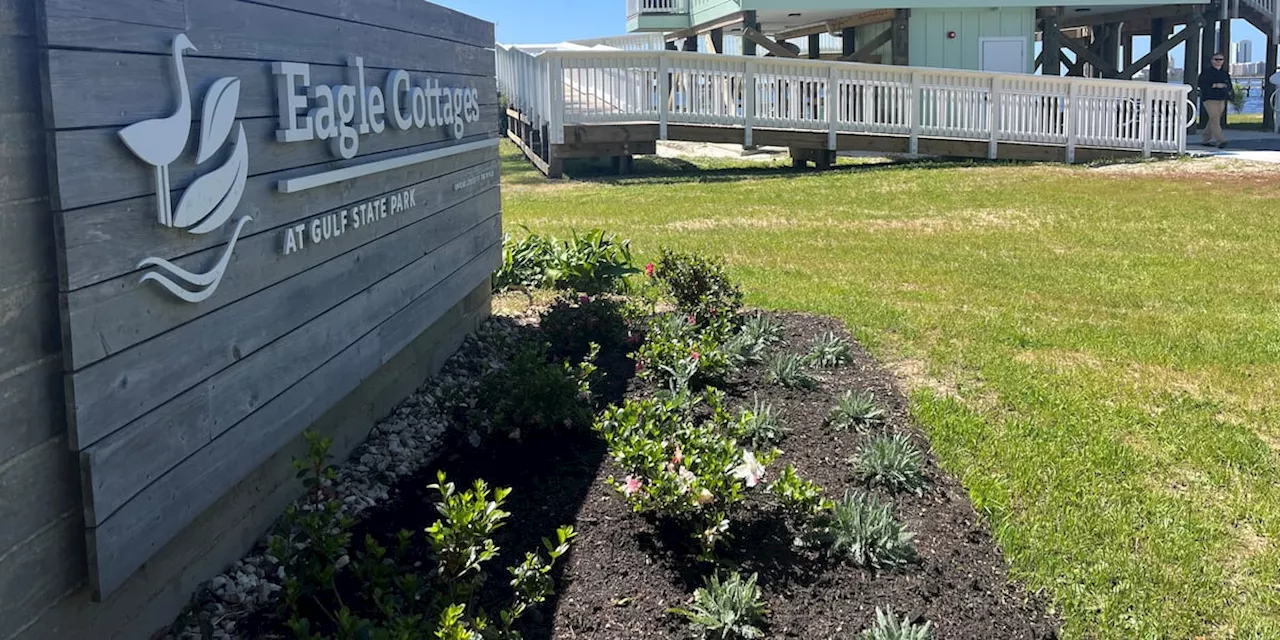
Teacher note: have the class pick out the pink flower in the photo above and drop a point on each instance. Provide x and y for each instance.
(678, 457)
(648, 269)
(632, 486)
(693, 319)
(695, 355)
(583, 299)
(639, 367)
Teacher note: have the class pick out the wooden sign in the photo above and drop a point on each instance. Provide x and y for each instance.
(258, 204)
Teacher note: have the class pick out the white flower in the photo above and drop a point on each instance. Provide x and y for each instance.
(685, 478)
(750, 470)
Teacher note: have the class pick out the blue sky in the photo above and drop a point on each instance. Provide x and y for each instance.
(540, 21)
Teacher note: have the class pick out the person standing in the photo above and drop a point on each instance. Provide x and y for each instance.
(1216, 88)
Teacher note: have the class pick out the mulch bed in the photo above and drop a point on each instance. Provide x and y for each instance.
(624, 572)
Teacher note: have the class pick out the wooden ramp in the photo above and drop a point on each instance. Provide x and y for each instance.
(592, 103)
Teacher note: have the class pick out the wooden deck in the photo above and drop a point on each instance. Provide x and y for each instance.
(602, 103)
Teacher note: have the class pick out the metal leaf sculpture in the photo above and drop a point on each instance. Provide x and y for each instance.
(220, 103)
(204, 284)
(213, 197)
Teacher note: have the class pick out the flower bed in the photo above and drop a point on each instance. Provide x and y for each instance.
(725, 475)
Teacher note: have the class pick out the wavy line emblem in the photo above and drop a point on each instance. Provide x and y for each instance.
(211, 199)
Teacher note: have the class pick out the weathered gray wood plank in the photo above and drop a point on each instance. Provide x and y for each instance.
(41, 570)
(142, 86)
(412, 16)
(110, 394)
(31, 403)
(39, 486)
(23, 175)
(29, 325)
(82, 153)
(257, 32)
(127, 461)
(124, 542)
(106, 241)
(17, 18)
(169, 14)
(26, 243)
(107, 308)
(20, 75)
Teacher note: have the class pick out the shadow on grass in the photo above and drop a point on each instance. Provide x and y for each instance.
(658, 170)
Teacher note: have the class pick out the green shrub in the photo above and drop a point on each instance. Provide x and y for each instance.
(675, 345)
(682, 464)
(1238, 97)
(593, 263)
(800, 498)
(864, 532)
(572, 325)
(791, 371)
(524, 263)
(888, 627)
(729, 609)
(534, 393)
(855, 410)
(892, 462)
(830, 350)
(396, 595)
(699, 285)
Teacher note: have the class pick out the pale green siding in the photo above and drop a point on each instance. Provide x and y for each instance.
(864, 5)
(869, 32)
(930, 47)
(654, 22)
(708, 10)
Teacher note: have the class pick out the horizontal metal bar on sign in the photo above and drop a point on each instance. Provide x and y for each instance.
(294, 185)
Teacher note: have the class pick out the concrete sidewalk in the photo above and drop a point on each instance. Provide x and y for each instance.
(1242, 144)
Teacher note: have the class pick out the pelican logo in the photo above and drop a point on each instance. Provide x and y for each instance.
(211, 199)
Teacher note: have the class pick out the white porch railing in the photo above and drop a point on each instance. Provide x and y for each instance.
(559, 88)
(645, 7)
(631, 42)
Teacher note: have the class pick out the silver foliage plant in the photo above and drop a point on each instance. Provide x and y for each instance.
(889, 627)
(729, 609)
(864, 531)
(892, 462)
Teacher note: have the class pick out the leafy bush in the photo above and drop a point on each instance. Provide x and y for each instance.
(762, 330)
(791, 371)
(688, 470)
(1239, 95)
(892, 462)
(531, 392)
(571, 325)
(888, 627)
(759, 427)
(593, 263)
(396, 596)
(854, 411)
(727, 609)
(864, 532)
(676, 345)
(752, 342)
(699, 285)
(830, 350)
(799, 497)
(524, 263)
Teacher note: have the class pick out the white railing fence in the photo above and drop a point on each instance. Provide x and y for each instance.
(640, 7)
(667, 87)
(632, 42)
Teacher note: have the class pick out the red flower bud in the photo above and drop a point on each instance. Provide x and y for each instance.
(648, 269)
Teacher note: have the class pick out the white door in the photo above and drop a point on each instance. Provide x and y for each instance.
(1003, 55)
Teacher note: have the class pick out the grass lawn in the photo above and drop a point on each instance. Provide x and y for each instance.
(1245, 121)
(1094, 350)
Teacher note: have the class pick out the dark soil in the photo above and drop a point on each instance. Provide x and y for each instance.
(625, 571)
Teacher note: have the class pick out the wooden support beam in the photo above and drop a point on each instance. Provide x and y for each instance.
(1224, 47)
(1052, 49)
(815, 46)
(847, 41)
(1157, 53)
(776, 48)
(1174, 13)
(867, 49)
(1087, 55)
(730, 20)
(1269, 90)
(1191, 65)
(1160, 35)
(749, 23)
(1039, 62)
(690, 44)
(837, 25)
(1128, 49)
(717, 40)
(901, 37)
(1208, 43)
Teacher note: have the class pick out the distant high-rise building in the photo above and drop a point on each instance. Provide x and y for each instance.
(1243, 52)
